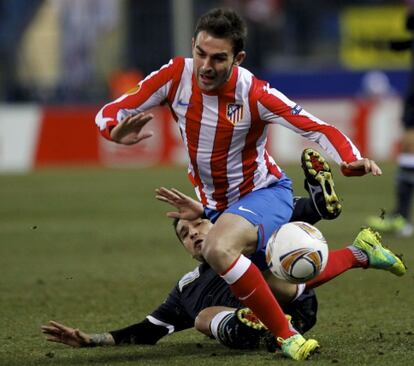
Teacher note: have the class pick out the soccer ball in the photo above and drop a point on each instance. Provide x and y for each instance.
(296, 252)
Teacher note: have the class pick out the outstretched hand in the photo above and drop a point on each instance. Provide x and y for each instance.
(128, 131)
(188, 208)
(360, 167)
(56, 332)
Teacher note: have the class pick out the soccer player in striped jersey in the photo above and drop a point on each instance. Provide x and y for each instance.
(223, 113)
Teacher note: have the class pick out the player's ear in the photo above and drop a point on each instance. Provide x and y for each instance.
(238, 59)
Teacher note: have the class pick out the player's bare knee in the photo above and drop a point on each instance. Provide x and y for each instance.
(219, 254)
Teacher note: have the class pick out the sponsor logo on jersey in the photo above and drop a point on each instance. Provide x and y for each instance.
(234, 112)
(183, 103)
(296, 109)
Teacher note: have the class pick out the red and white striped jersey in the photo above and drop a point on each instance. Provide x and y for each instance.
(225, 132)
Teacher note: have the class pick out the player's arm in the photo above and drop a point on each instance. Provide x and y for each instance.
(122, 120)
(169, 317)
(275, 107)
(188, 208)
(60, 333)
(143, 332)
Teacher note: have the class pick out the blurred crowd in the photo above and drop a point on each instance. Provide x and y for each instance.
(82, 51)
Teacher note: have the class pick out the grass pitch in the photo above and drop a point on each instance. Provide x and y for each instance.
(93, 249)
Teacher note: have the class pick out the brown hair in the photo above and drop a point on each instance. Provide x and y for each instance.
(224, 23)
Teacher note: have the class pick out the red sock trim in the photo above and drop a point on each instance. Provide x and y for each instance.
(231, 266)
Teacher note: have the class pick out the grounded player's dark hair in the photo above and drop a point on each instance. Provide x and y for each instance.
(224, 23)
(174, 224)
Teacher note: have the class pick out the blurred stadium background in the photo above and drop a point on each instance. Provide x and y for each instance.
(62, 59)
(85, 243)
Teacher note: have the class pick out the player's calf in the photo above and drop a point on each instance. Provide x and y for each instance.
(320, 185)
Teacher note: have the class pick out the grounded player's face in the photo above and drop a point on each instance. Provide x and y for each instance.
(192, 234)
(213, 61)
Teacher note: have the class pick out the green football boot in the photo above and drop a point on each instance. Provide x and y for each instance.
(379, 257)
(297, 347)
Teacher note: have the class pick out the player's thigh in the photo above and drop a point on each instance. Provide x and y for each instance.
(230, 236)
(266, 209)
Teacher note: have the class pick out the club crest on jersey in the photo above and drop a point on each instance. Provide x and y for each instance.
(234, 112)
(296, 109)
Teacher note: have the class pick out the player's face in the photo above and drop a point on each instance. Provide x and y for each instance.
(213, 61)
(192, 234)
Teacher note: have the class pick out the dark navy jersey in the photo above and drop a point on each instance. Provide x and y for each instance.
(195, 291)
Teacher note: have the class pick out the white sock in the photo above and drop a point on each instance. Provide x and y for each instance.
(215, 322)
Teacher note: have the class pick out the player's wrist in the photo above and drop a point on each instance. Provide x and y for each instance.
(100, 339)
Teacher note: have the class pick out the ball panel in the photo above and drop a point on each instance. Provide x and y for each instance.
(296, 252)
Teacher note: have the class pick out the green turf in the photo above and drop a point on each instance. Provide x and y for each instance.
(92, 248)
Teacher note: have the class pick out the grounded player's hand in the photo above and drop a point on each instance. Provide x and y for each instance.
(128, 131)
(360, 167)
(188, 208)
(56, 332)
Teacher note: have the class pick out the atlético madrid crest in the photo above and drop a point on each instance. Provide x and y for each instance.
(234, 112)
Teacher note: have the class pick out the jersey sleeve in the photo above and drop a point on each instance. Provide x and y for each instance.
(171, 314)
(167, 318)
(156, 89)
(275, 107)
(143, 332)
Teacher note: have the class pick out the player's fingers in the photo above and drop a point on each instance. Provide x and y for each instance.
(144, 136)
(345, 165)
(141, 119)
(173, 215)
(133, 118)
(375, 169)
(51, 330)
(178, 193)
(54, 339)
(61, 326)
(78, 333)
(80, 336)
(46, 328)
(162, 190)
(367, 165)
(125, 120)
(170, 194)
(163, 199)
